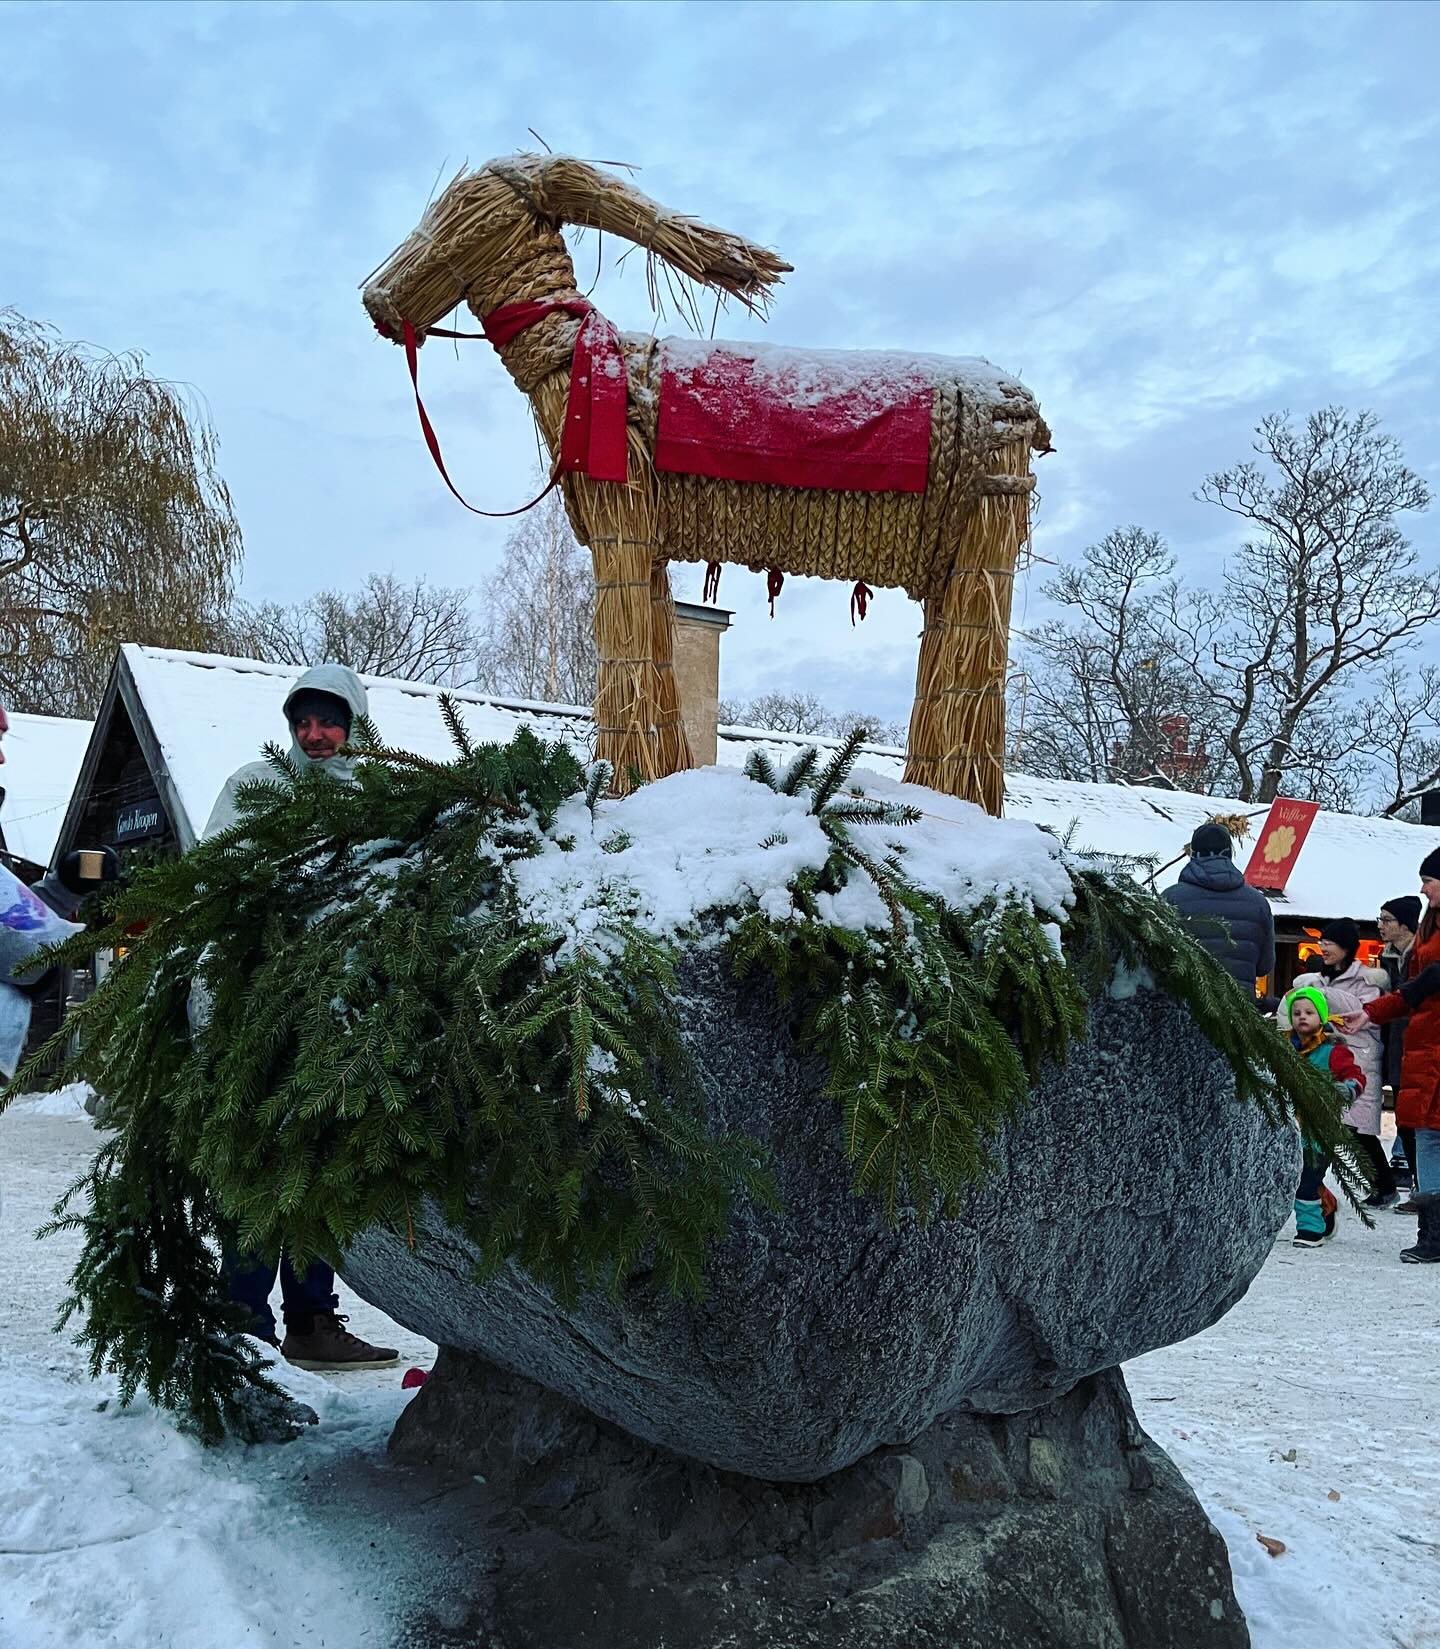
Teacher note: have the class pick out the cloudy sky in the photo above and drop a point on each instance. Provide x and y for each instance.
(1167, 219)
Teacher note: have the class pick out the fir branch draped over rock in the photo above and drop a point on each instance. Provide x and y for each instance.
(382, 1023)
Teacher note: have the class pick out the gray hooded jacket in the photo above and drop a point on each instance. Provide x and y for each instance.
(336, 679)
(1212, 891)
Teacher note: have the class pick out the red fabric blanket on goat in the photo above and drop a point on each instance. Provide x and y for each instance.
(841, 420)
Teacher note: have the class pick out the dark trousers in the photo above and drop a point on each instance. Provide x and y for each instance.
(1375, 1155)
(1312, 1175)
(1405, 1146)
(251, 1279)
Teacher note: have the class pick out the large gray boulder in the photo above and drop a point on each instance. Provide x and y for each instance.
(1133, 1202)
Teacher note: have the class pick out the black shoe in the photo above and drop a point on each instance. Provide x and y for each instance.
(1409, 1206)
(1421, 1255)
(1381, 1199)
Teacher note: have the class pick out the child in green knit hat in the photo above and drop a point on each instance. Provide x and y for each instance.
(1307, 1013)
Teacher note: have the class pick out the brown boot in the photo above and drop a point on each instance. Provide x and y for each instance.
(329, 1345)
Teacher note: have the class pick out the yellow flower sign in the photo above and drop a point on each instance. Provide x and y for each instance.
(1280, 845)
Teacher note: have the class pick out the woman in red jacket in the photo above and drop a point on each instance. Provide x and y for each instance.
(1417, 1105)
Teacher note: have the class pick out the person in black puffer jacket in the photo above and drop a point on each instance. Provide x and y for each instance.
(1231, 919)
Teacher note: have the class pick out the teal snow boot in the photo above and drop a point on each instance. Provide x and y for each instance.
(1311, 1225)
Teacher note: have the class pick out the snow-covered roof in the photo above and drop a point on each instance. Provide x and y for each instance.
(1348, 866)
(1349, 863)
(42, 761)
(211, 714)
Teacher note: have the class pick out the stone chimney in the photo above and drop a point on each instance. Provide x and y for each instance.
(697, 674)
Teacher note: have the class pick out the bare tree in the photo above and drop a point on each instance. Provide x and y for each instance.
(804, 713)
(418, 631)
(1271, 675)
(114, 524)
(1103, 695)
(1402, 737)
(539, 638)
(877, 730)
(788, 713)
(1324, 585)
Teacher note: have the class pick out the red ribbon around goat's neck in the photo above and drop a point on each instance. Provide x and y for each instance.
(593, 442)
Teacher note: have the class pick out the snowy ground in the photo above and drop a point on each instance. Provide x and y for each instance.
(1310, 1415)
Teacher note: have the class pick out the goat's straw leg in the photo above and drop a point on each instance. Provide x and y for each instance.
(637, 712)
(673, 753)
(957, 728)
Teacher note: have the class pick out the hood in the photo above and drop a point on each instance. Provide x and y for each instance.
(1217, 873)
(341, 682)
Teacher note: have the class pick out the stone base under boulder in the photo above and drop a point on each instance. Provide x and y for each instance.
(1062, 1528)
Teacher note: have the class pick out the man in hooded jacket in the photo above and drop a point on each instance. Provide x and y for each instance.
(1231, 919)
(321, 709)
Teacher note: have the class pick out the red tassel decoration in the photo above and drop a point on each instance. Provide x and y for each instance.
(711, 590)
(774, 582)
(860, 598)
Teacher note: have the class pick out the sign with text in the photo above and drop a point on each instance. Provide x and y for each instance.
(139, 820)
(1278, 845)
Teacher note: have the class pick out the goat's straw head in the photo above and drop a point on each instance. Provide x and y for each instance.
(493, 237)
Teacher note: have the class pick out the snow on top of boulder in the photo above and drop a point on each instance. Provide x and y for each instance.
(713, 840)
(802, 377)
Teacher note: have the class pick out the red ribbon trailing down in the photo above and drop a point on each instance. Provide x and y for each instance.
(860, 598)
(593, 442)
(774, 583)
(711, 591)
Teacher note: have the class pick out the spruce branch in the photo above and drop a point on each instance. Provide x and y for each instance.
(454, 726)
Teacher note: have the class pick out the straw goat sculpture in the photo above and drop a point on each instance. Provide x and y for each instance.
(904, 471)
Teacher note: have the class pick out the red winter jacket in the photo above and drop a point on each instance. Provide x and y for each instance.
(1417, 1105)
